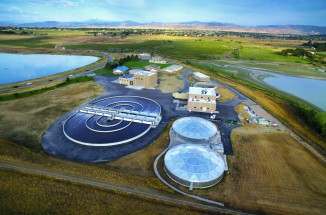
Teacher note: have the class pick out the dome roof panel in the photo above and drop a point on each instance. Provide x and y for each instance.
(194, 163)
(194, 127)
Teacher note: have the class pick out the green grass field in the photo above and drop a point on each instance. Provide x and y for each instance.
(202, 48)
(140, 64)
(33, 42)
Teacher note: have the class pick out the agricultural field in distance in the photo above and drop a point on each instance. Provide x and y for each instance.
(270, 172)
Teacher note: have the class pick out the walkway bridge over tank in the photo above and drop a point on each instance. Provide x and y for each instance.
(152, 119)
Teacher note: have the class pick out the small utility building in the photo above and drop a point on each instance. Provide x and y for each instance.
(126, 79)
(172, 68)
(201, 77)
(157, 60)
(202, 99)
(152, 68)
(120, 70)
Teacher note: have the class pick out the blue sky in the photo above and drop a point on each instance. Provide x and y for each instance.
(243, 12)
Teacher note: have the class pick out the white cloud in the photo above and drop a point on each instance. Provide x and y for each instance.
(64, 3)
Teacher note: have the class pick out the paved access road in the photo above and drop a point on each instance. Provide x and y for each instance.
(225, 109)
(91, 182)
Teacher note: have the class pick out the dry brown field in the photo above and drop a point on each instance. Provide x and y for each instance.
(23, 121)
(169, 83)
(42, 195)
(226, 94)
(270, 173)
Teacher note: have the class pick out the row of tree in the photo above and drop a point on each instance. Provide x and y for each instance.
(113, 64)
(315, 119)
(298, 52)
(15, 32)
(318, 46)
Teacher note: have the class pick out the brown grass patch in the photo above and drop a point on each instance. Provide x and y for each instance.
(240, 110)
(24, 120)
(42, 195)
(170, 83)
(226, 94)
(270, 172)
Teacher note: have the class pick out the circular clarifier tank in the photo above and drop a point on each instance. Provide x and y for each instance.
(194, 165)
(112, 121)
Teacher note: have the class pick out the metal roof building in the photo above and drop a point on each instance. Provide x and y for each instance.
(129, 76)
(193, 165)
(120, 70)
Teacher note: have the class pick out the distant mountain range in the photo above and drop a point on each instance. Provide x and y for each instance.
(196, 25)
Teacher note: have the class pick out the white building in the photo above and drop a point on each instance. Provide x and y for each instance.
(133, 71)
(201, 77)
(202, 99)
(172, 68)
(144, 56)
(157, 60)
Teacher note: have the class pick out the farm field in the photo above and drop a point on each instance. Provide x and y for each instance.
(287, 68)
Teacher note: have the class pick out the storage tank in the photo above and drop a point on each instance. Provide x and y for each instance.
(193, 165)
(194, 130)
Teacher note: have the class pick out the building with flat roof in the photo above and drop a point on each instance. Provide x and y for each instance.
(202, 99)
(140, 78)
(133, 71)
(145, 79)
(144, 56)
(200, 76)
(157, 60)
(172, 68)
(126, 79)
(152, 68)
(120, 70)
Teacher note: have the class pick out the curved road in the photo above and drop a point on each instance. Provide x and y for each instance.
(90, 182)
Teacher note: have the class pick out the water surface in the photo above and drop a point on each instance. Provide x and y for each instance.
(310, 90)
(22, 67)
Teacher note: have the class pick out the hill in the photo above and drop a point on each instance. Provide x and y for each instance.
(219, 26)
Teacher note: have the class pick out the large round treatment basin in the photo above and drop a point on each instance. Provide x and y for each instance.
(193, 165)
(103, 130)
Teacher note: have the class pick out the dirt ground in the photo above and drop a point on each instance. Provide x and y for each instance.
(271, 172)
(24, 120)
(169, 83)
(240, 110)
(226, 95)
(141, 162)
